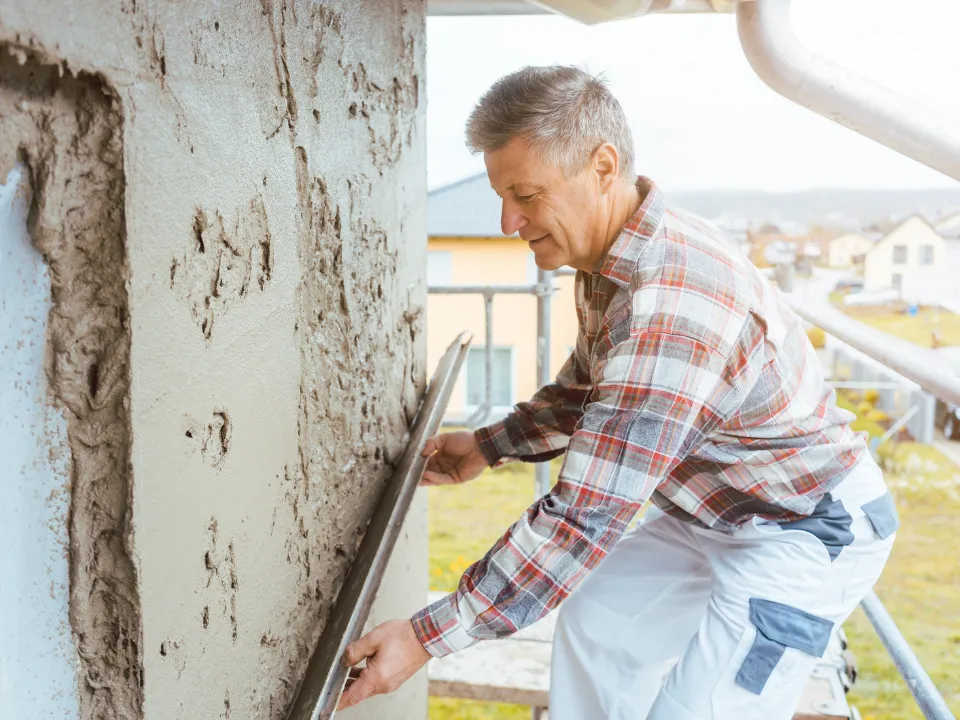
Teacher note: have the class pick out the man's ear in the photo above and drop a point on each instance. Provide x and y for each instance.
(606, 164)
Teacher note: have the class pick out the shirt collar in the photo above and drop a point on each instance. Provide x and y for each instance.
(621, 259)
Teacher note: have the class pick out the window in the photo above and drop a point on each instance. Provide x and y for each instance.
(899, 254)
(502, 395)
(897, 281)
(439, 268)
(926, 255)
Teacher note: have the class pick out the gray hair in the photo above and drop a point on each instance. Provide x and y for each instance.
(563, 112)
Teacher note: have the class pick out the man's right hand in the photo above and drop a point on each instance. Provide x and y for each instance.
(454, 458)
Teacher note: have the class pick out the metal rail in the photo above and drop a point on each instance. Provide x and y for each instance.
(928, 698)
(564, 7)
(542, 290)
(839, 94)
(326, 674)
(544, 279)
(877, 346)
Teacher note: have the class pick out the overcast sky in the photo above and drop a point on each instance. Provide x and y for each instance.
(700, 117)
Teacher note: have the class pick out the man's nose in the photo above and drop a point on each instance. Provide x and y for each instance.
(511, 219)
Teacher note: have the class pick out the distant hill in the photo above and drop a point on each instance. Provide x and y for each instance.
(816, 206)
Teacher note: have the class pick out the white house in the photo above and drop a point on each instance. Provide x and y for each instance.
(849, 249)
(949, 229)
(911, 260)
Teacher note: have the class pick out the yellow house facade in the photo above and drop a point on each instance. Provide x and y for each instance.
(466, 247)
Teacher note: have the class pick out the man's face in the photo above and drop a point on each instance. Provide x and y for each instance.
(559, 217)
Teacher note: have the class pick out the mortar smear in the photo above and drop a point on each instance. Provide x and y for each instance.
(67, 129)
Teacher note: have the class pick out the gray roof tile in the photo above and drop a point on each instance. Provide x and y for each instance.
(466, 208)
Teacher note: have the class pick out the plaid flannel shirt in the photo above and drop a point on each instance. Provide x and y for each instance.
(692, 383)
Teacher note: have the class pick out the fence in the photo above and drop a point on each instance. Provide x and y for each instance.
(543, 290)
(896, 366)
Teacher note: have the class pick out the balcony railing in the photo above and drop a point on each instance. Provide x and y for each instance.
(872, 343)
(543, 290)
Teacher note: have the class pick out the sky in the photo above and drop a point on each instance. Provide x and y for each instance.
(700, 117)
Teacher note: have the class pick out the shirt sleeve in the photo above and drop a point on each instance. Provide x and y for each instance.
(540, 429)
(657, 396)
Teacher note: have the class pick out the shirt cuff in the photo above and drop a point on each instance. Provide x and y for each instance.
(494, 443)
(439, 630)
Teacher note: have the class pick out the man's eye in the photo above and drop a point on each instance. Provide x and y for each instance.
(525, 198)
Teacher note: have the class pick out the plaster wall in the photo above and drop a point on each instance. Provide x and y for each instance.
(229, 200)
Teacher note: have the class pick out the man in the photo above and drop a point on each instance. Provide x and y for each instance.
(692, 384)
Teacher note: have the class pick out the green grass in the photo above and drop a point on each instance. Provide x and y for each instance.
(920, 587)
(917, 329)
(861, 423)
(465, 521)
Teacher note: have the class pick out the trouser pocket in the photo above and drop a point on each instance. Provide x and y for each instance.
(882, 514)
(779, 627)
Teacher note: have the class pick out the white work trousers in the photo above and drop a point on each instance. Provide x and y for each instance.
(747, 613)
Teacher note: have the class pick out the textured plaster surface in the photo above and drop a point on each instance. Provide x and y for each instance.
(230, 198)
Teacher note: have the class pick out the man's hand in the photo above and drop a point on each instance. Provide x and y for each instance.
(393, 653)
(454, 458)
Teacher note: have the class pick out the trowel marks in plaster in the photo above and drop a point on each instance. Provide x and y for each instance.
(227, 259)
(220, 590)
(67, 130)
(213, 440)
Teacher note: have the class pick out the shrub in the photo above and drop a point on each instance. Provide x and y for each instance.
(817, 337)
(871, 396)
(886, 456)
(877, 416)
(863, 408)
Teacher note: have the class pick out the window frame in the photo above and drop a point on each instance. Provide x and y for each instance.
(511, 390)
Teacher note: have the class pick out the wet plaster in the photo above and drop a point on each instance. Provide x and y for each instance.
(65, 129)
(246, 349)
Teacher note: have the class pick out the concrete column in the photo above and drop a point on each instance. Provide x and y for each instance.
(229, 202)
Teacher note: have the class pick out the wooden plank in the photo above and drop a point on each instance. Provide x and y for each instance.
(509, 671)
(824, 697)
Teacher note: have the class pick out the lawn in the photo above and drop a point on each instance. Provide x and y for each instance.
(921, 586)
(917, 329)
(464, 522)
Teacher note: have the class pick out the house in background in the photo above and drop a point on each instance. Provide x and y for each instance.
(850, 249)
(771, 244)
(465, 246)
(949, 229)
(908, 260)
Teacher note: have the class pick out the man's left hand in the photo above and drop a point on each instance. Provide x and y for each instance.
(393, 653)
